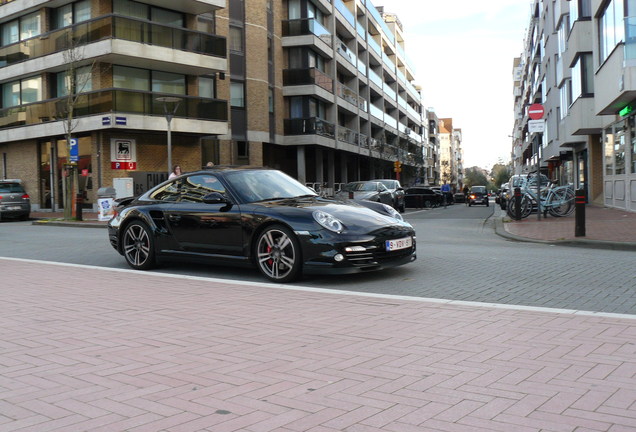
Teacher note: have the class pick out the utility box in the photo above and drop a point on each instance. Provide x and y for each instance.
(105, 201)
(124, 187)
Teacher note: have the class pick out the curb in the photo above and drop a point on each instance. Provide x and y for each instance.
(74, 224)
(593, 244)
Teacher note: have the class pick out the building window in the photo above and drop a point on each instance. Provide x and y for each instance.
(565, 92)
(237, 95)
(205, 23)
(206, 87)
(580, 9)
(83, 81)
(583, 76)
(236, 39)
(23, 28)
(609, 152)
(242, 150)
(70, 14)
(142, 79)
(611, 28)
(21, 92)
(134, 9)
(619, 150)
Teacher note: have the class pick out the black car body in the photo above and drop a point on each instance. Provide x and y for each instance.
(14, 201)
(397, 191)
(422, 197)
(258, 217)
(478, 195)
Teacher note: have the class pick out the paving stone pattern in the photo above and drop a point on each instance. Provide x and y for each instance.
(86, 349)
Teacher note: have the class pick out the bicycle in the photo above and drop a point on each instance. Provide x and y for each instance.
(558, 201)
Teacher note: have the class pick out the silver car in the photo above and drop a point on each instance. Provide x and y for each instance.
(14, 201)
(366, 190)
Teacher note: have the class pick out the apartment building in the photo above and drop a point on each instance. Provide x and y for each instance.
(451, 154)
(433, 173)
(109, 74)
(321, 89)
(578, 62)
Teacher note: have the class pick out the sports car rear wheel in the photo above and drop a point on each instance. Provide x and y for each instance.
(138, 246)
(278, 254)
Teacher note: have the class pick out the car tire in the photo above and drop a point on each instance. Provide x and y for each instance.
(277, 254)
(138, 246)
(470, 204)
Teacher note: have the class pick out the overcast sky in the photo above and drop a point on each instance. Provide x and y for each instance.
(463, 52)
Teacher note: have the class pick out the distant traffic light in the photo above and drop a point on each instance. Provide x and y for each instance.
(397, 166)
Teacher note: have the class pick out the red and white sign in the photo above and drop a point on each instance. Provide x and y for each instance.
(535, 111)
(123, 154)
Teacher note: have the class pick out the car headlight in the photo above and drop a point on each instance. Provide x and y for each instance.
(328, 221)
(393, 212)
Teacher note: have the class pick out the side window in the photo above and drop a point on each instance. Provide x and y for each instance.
(197, 186)
(169, 192)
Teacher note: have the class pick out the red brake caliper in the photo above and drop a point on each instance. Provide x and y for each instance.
(269, 251)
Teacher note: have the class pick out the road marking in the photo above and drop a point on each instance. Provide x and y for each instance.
(335, 291)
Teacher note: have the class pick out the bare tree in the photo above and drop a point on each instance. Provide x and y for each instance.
(77, 79)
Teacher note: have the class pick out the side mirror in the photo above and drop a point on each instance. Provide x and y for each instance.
(215, 198)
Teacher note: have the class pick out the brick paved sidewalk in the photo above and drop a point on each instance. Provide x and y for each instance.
(86, 349)
(601, 224)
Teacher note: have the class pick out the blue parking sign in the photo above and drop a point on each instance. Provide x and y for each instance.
(74, 150)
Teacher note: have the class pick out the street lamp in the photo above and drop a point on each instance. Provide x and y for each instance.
(170, 105)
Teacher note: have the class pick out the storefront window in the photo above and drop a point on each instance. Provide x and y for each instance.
(633, 152)
(609, 152)
(619, 151)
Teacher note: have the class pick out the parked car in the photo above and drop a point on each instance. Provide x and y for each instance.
(478, 195)
(459, 197)
(14, 201)
(366, 190)
(449, 195)
(504, 196)
(396, 190)
(422, 197)
(259, 217)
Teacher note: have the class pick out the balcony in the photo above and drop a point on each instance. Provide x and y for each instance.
(375, 78)
(346, 13)
(309, 126)
(112, 101)
(374, 45)
(347, 135)
(389, 92)
(351, 96)
(344, 51)
(113, 27)
(307, 26)
(312, 76)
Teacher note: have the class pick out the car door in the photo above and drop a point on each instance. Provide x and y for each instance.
(201, 227)
(386, 197)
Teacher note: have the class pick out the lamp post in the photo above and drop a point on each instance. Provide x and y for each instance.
(170, 105)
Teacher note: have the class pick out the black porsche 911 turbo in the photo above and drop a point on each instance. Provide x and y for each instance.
(261, 217)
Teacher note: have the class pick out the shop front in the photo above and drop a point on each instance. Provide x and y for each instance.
(619, 163)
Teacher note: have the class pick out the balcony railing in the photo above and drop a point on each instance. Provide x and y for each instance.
(389, 92)
(306, 26)
(347, 135)
(346, 52)
(112, 101)
(293, 77)
(113, 27)
(351, 96)
(390, 121)
(346, 13)
(376, 112)
(375, 78)
(309, 126)
(362, 68)
(374, 45)
(388, 62)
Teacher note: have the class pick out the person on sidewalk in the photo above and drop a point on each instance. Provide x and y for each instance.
(446, 190)
(176, 171)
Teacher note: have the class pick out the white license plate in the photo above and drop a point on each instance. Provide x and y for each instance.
(13, 208)
(398, 244)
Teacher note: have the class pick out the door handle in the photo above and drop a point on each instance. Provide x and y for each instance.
(174, 218)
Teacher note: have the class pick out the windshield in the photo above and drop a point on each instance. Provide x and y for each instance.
(478, 189)
(390, 184)
(261, 185)
(11, 188)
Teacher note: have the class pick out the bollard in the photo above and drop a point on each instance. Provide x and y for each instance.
(79, 199)
(579, 213)
(518, 203)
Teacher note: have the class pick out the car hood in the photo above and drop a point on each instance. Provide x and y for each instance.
(349, 213)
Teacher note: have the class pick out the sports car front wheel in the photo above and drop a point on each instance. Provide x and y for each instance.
(138, 247)
(278, 254)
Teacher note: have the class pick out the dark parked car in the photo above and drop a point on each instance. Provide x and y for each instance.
(459, 197)
(422, 197)
(478, 195)
(258, 217)
(366, 190)
(14, 201)
(396, 190)
(503, 196)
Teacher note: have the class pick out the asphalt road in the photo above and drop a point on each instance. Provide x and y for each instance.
(459, 258)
